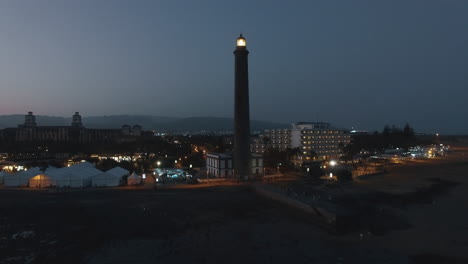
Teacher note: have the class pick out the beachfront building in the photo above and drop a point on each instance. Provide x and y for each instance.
(314, 140)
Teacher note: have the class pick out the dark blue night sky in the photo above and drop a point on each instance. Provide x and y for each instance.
(352, 63)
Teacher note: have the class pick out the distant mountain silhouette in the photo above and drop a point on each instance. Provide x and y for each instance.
(15, 120)
(213, 124)
(117, 121)
(159, 123)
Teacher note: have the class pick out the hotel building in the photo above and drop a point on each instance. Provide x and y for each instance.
(315, 140)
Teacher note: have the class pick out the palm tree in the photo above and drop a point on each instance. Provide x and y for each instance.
(312, 154)
(43, 167)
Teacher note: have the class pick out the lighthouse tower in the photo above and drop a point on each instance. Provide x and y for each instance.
(241, 157)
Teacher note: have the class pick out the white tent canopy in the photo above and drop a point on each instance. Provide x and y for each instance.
(78, 175)
(112, 177)
(2, 175)
(106, 179)
(118, 171)
(83, 164)
(20, 178)
(134, 179)
(42, 181)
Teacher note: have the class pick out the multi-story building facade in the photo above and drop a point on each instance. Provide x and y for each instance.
(220, 165)
(318, 140)
(271, 138)
(30, 131)
(315, 140)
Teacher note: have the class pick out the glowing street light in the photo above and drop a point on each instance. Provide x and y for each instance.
(158, 163)
(332, 163)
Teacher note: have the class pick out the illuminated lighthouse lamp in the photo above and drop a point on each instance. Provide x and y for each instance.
(241, 41)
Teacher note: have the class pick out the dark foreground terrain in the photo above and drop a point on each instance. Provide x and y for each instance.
(214, 225)
(233, 224)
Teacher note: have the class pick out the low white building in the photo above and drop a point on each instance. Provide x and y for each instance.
(220, 165)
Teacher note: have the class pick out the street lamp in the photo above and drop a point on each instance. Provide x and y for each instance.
(158, 163)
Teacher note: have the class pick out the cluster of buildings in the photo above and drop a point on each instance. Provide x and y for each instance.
(417, 152)
(315, 140)
(76, 132)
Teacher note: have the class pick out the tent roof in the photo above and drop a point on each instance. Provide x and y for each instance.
(118, 171)
(80, 170)
(83, 164)
(134, 176)
(105, 175)
(30, 173)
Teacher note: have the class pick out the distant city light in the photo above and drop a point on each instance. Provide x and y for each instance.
(332, 163)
